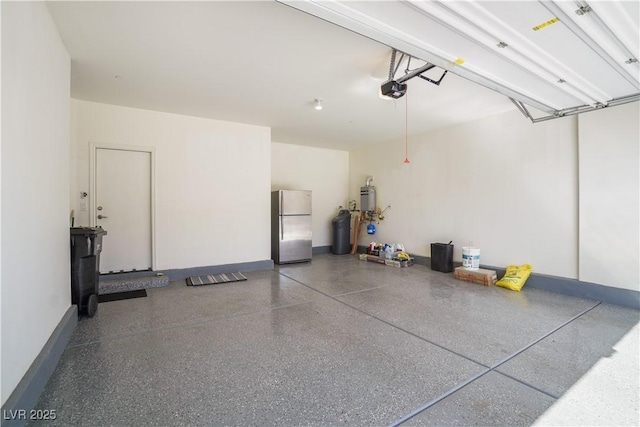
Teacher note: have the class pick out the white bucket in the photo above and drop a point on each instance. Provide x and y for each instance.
(470, 258)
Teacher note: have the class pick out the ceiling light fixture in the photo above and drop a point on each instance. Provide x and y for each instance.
(318, 104)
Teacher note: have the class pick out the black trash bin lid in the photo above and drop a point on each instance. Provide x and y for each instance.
(87, 231)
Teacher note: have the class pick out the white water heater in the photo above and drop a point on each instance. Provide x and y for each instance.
(368, 196)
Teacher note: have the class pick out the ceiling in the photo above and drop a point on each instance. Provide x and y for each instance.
(261, 63)
(562, 57)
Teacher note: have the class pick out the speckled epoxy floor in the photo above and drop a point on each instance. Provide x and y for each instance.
(337, 341)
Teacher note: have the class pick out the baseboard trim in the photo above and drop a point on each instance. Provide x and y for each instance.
(578, 288)
(317, 250)
(183, 273)
(561, 285)
(128, 275)
(26, 394)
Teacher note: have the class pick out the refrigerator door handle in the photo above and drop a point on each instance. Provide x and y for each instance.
(280, 216)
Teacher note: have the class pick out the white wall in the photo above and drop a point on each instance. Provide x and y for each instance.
(2, 394)
(35, 185)
(324, 172)
(610, 196)
(212, 181)
(506, 185)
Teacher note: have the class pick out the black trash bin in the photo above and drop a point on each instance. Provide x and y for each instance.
(442, 257)
(341, 231)
(86, 245)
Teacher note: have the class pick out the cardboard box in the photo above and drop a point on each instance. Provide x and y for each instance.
(479, 276)
(399, 263)
(391, 262)
(374, 258)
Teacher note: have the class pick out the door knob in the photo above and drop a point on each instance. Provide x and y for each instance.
(102, 217)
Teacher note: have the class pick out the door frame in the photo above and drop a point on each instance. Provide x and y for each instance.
(93, 154)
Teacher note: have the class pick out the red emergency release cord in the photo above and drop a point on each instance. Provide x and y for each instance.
(406, 126)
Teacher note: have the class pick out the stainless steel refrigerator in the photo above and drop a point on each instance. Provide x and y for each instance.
(290, 226)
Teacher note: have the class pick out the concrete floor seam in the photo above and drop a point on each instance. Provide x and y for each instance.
(362, 290)
(524, 383)
(389, 323)
(492, 369)
(439, 398)
(465, 383)
(432, 402)
(337, 355)
(523, 349)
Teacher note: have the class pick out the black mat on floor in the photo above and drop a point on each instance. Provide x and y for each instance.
(213, 279)
(117, 296)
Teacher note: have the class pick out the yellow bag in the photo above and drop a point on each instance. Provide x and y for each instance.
(515, 276)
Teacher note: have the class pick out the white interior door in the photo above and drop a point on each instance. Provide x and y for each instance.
(123, 209)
